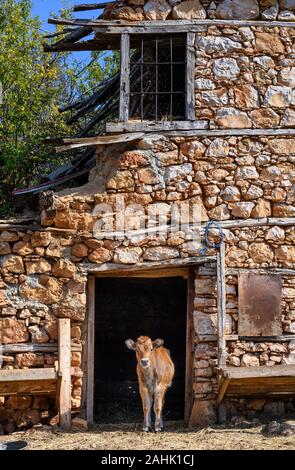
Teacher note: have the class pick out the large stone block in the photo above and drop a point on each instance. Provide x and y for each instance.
(237, 10)
(13, 331)
(157, 9)
(189, 10)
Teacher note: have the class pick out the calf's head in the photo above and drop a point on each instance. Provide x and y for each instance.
(144, 348)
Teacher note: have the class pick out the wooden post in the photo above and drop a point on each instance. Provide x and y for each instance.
(221, 306)
(190, 113)
(90, 348)
(124, 78)
(64, 359)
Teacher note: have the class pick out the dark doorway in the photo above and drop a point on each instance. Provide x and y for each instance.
(127, 308)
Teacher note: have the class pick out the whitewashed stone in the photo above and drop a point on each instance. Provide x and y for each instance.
(286, 15)
(287, 76)
(271, 13)
(288, 119)
(253, 192)
(189, 10)
(218, 148)
(226, 68)
(246, 172)
(204, 84)
(157, 9)
(230, 194)
(275, 234)
(278, 96)
(249, 360)
(232, 118)
(242, 210)
(287, 4)
(237, 10)
(128, 255)
(218, 44)
(215, 98)
(159, 253)
(264, 61)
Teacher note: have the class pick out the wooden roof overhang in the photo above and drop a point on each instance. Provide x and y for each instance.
(106, 33)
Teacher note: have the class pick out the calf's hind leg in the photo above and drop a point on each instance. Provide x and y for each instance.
(146, 407)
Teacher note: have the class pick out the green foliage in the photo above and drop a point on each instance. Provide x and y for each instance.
(35, 84)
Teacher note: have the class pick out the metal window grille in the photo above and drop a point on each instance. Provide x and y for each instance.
(157, 77)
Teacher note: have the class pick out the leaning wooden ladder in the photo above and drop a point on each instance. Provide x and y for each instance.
(260, 381)
(53, 381)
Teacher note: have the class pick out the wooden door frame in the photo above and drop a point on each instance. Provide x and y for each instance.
(88, 335)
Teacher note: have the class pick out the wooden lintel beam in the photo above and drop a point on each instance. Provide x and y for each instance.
(92, 6)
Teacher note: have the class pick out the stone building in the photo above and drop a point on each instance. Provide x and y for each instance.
(204, 122)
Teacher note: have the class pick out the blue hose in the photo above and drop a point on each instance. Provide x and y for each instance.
(209, 244)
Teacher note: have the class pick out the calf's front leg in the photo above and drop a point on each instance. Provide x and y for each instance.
(158, 408)
(146, 407)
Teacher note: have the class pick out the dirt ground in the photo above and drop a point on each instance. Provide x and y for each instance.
(176, 437)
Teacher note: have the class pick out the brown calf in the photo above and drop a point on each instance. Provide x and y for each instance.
(155, 371)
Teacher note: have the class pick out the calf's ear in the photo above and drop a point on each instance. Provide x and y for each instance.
(158, 343)
(130, 344)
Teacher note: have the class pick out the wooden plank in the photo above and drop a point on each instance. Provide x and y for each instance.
(221, 305)
(16, 375)
(90, 348)
(124, 78)
(229, 132)
(92, 6)
(35, 348)
(190, 347)
(224, 383)
(190, 113)
(260, 371)
(29, 387)
(64, 359)
(213, 338)
(255, 339)
(166, 26)
(283, 271)
(154, 126)
(119, 268)
(100, 140)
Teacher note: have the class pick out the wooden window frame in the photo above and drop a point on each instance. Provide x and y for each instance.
(189, 122)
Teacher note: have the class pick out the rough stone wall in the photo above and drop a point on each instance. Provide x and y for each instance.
(44, 270)
(245, 77)
(139, 10)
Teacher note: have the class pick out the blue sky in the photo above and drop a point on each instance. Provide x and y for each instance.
(43, 8)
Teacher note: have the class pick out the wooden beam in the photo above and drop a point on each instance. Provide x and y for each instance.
(167, 26)
(35, 348)
(21, 375)
(213, 338)
(100, 140)
(92, 6)
(260, 371)
(221, 305)
(283, 271)
(120, 268)
(64, 360)
(254, 339)
(190, 113)
(90, 348)
(124, 78)
(224, 383)
(154, 126)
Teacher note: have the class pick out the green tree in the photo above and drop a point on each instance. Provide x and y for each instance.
(35, 84)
